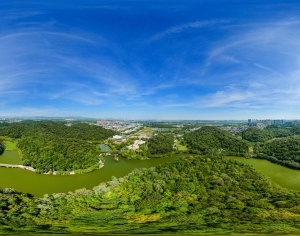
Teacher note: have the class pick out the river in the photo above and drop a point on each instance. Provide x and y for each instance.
(38, 184)
(284, 177)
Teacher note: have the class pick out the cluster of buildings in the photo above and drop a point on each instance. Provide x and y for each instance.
(235, 129)
(136, 144)
(121, 126)
(3, 120)
(263, 123)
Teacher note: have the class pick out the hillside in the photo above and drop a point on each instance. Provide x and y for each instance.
(81, 131)
(195, 194)
(254, 134)
(53, 146)
(210, 139)
(161, 144)
(284, 151)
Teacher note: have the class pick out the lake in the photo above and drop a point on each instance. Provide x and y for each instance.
(286, 178)
(104, 147)
(10, 157)
(39, 184)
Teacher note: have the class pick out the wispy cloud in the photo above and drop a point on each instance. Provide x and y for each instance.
(183, 27)
(32, 59)
(193, 63)
(19, 14)
(33, 111)
(34, 34)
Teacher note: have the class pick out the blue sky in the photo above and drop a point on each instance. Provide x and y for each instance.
(140, 59)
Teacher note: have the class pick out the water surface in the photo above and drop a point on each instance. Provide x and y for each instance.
(40, 184)
(104, 147)
(284, 177)
(10, 157)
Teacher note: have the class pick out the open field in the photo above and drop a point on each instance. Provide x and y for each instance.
(145, 131)
(9, 143)
(180, 147)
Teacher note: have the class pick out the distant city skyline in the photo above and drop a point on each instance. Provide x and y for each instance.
(146, 59)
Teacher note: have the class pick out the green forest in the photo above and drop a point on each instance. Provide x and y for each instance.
(2, 147)
(161, 144)
(279, 144)
(283, 151)
(197, 194)
(200, 193)
(254, 134)
(52, 146)
(210, 139)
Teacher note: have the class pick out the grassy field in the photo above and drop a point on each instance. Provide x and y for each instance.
(9, 143)
(180, 147)
(145, 131)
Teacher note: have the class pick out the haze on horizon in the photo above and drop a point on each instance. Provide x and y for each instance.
(208, 59)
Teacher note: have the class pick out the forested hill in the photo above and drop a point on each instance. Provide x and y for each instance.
(276, 143)
(194, 194)
(161, 143)
(53, 146)
(284, 151)
(76, 131)
(254, 134)
(210, 139)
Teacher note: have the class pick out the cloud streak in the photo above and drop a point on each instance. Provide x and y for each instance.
(184, 27)
(92, 59)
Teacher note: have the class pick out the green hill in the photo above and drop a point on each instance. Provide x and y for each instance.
(161, 143)
(197, 194)
(210, 139)
(257, 135)
(53, 146)
(284, 151)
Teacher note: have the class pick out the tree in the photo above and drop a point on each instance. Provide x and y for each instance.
(254, 134)
(2, 148)
(161, 143)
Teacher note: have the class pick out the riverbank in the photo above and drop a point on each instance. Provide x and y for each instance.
(100, 165)
(40, 184)
(17, 166)
(283, 176)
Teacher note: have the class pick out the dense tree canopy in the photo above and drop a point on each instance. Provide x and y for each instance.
(161, 143)
(284, 151)
(210, 139)
(81, 131)
(295, 129)
(194, 194)
(280, 131)
(254, 134)
(53, 146)
(2, 148)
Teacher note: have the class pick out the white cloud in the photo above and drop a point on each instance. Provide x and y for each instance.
(33, 111)
(183, 27)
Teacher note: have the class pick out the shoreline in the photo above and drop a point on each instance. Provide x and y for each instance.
(100, 163)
